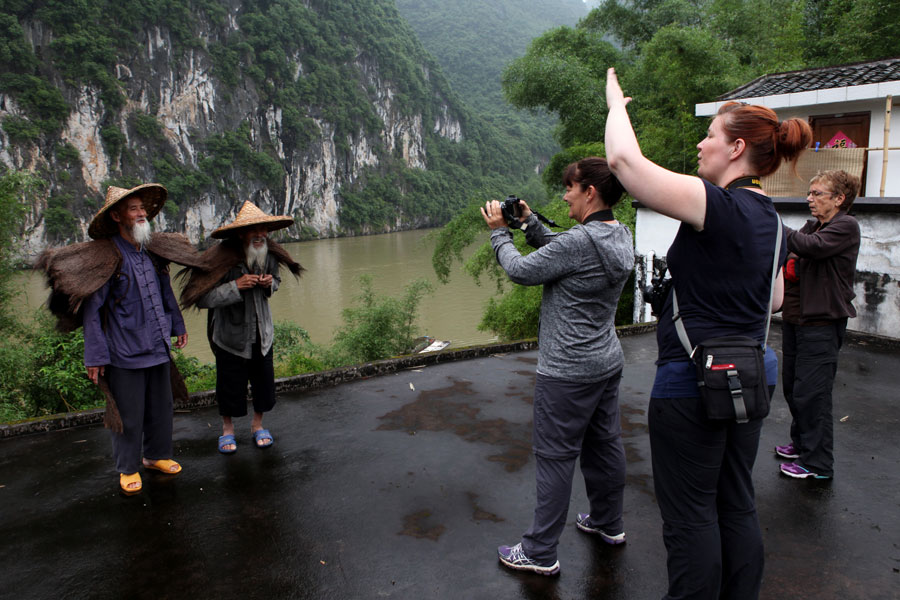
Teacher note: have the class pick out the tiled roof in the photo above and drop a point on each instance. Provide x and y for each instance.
(862, 73)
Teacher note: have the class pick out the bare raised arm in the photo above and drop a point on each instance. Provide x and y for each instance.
(681, 197)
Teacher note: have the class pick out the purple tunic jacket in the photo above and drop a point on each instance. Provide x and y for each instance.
(142, 315)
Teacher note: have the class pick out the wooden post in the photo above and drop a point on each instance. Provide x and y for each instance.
(887, 132)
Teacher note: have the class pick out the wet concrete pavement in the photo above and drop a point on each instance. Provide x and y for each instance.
(402, 486)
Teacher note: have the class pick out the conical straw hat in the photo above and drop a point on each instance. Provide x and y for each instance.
(153, 195)
(250, 215)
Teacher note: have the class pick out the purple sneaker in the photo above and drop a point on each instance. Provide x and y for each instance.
(795, 470)
(514, 558)
(582, 522)
(787, 451)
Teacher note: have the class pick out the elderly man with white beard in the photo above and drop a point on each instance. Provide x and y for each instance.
(241, 274)
(118, 286)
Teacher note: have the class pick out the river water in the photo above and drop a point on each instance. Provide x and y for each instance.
(331, 283)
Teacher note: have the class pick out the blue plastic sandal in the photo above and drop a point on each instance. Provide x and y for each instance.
(263, 434)
(225, 440)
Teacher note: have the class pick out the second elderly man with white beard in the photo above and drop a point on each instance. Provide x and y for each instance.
(242, 273)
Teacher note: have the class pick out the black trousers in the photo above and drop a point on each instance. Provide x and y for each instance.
(233, 373)
(702, 474)
(810, 364)
(144, 400)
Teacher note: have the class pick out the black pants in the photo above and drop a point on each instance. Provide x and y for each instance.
(232, 375)
(702, 474)
(144, 400)
(810, 363)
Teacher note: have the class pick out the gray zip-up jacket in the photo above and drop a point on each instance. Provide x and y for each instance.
(583, 271)
(235, 315)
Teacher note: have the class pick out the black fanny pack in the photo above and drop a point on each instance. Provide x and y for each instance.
(731, 371)
(731, 375)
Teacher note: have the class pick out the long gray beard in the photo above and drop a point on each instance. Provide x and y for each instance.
(141, 232)
(256, 258)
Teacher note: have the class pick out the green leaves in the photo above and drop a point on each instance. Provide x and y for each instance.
(564, 71)
(379, 326)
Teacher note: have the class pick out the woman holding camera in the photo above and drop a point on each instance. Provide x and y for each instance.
(576, 392)
(721, 265)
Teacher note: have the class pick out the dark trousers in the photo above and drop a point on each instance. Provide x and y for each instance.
(573, 418)
(702, 476)
(144, 400)
(810, 363)
(232, 375)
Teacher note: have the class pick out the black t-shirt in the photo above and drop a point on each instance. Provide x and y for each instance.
(722, 274)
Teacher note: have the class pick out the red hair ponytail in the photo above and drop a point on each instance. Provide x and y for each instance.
(769, 141)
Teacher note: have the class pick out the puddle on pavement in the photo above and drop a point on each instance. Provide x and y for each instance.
(419, 525)
(440, 410)
(478, 513)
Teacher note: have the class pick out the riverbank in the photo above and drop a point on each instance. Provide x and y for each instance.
(305, 382)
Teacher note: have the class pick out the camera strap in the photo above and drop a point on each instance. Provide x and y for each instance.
(676, 317)
(747, 181)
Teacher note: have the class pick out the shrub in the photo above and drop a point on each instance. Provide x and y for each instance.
(113, 140)
(67, 153)
(294, 352)
(20, 130)
(59, 222)
(380, 327)
(147, 127)
(198, 376)
(61, 383)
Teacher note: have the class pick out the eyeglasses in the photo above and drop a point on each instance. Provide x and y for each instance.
(818, 194)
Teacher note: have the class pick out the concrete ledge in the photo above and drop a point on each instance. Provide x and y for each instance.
(305, 382)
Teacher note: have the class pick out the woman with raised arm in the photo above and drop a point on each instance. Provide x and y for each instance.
(721, 265)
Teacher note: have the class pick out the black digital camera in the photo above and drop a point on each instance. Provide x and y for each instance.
(657, 292)
(512, 211)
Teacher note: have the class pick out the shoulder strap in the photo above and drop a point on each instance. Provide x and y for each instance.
(778, 234)
(676, 317)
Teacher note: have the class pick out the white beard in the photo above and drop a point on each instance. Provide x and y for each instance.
(256, 257)
(141, 231)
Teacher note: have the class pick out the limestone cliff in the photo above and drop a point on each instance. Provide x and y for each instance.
(217, 132)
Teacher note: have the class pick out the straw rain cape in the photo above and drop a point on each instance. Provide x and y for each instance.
(220, 259)
(76, 271)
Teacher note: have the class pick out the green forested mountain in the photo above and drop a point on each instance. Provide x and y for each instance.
(474, 40)
(328, 111)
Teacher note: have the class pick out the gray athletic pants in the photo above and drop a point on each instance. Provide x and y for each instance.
(144, 400)
(572, 418)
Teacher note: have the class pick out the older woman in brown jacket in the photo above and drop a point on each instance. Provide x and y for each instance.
(817, 303)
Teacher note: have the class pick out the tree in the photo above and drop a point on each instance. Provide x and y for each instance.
(17, 189)
(843, 31)
(564, 72)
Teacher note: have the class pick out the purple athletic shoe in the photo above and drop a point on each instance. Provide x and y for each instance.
(787, 451)
(582, 522)
(514, 558)
(798, 472)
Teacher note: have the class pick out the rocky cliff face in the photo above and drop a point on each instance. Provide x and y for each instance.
(179, 88)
